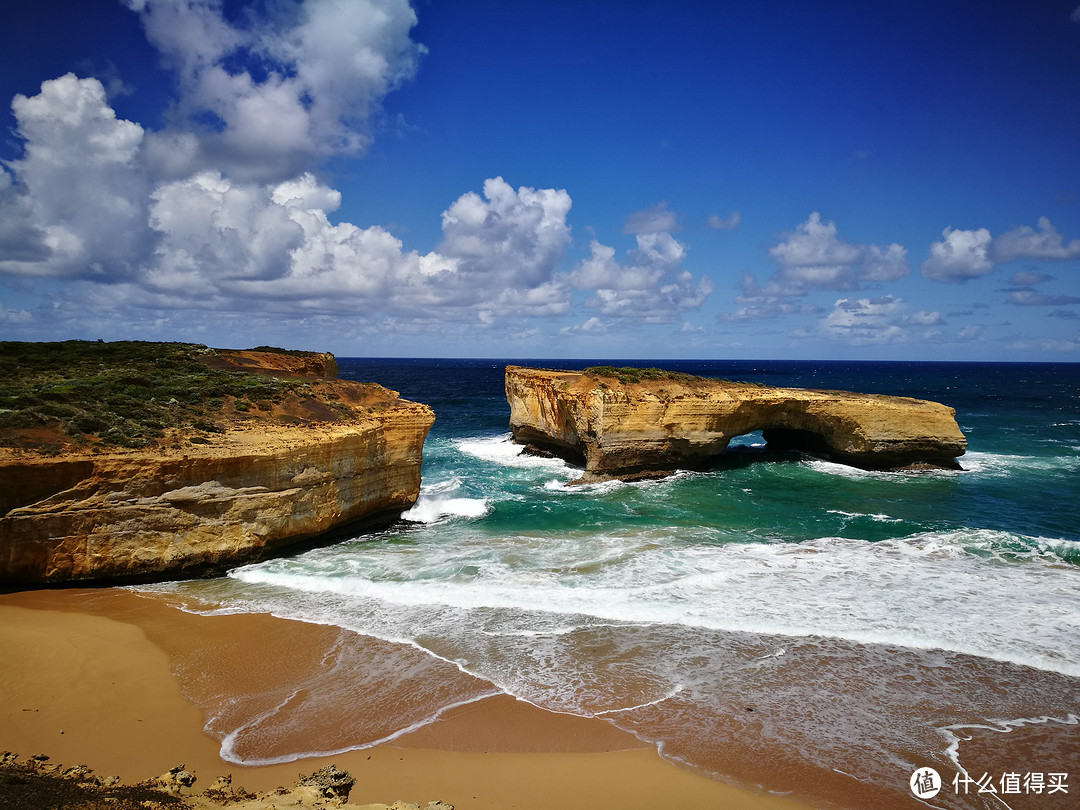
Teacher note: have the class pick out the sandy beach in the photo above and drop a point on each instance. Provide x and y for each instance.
(90, 677)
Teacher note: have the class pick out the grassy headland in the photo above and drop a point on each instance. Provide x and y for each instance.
(133, 394)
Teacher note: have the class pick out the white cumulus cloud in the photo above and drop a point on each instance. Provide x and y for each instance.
(592, 325)
(82, 194)
(814, 256)
(1025, 242)
(961, 256)
(870, 321)
(651, 285)
(862, 321)
(326, 66)
(221, 210)
(967, 254)
(221, 230)
(277, 244)
(23, 243)
(85, 203)
(511, 237)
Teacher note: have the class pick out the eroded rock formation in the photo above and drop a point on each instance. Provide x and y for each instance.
(652, 427)
(35, 782)
(343, 452)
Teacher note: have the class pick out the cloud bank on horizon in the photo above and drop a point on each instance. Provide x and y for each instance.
(221, 221)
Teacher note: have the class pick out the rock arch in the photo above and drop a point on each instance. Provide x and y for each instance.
(629, 428)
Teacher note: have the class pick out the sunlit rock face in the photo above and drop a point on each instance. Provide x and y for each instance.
(262, 484)
(629, 428)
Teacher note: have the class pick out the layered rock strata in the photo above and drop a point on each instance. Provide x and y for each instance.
(653, 427)
(177, 509)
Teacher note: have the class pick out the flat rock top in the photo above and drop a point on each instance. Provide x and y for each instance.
(657, 382)
(81, 397)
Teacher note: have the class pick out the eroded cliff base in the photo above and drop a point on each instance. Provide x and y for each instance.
(137, 461)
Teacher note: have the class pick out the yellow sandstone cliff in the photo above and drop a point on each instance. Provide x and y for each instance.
(174, 509)
(651, 427)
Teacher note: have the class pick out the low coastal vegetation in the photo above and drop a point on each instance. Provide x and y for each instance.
(125, 394)
(629, 374)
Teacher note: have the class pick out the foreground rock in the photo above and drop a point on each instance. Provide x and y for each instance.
(235, 484)
(37, 784)
(624, 424)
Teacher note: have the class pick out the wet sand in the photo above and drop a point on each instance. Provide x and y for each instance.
(114, 680)
(1038, 747)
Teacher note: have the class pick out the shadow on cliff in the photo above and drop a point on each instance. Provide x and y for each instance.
(340, 534)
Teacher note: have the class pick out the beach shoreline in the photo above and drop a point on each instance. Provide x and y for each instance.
(90, 679)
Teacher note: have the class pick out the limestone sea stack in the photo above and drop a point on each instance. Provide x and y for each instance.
(633, 423)
(196, 459)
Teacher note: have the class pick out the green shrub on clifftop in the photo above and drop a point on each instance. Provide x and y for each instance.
(629, 374)
(122, 394)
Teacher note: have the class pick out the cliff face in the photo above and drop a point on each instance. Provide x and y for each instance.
(653, 427)
(349, 452)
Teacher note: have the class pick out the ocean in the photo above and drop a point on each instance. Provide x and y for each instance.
(780, 622)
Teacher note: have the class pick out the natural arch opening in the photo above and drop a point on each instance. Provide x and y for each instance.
(788, 439)
(770, 444)
(747, 442)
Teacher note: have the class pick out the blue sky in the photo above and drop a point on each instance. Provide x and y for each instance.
(561, 179)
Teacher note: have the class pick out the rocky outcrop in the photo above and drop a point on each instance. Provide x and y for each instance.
(35, 782)
(349, 452)
(647, 428)
(276, 361)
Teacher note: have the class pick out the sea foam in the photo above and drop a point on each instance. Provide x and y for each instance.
(502, 450)
(893, 591)
(439, 501)
(430, 509)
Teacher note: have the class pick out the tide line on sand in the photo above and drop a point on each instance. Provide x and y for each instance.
(89, 680)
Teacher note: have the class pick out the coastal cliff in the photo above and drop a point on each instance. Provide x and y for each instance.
(628, 423)
(228, 479)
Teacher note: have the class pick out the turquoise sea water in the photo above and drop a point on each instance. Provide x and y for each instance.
(817, 621)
